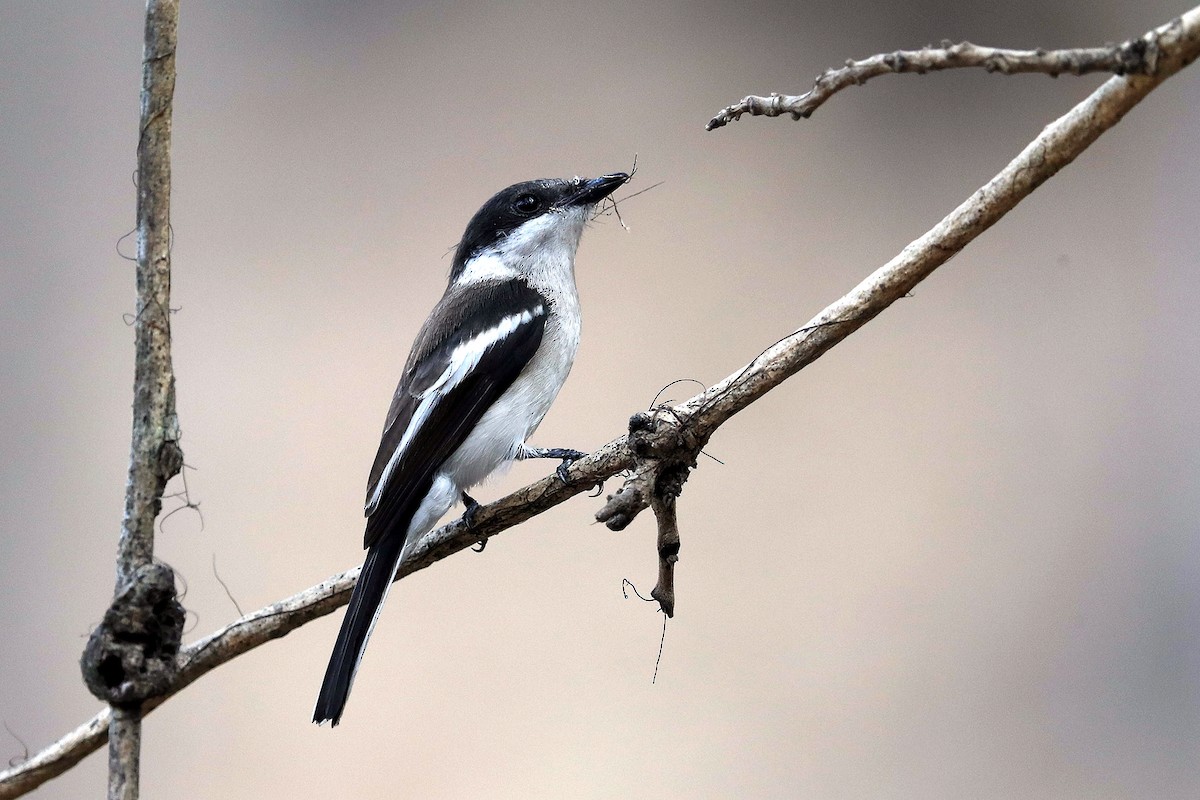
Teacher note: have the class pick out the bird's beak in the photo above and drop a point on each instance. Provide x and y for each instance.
(596, 189)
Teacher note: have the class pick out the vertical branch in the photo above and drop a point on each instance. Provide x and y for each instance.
(124, 754)
(155, 454)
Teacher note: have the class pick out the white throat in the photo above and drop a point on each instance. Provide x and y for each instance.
(542, 252)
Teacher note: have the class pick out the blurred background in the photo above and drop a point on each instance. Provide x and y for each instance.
(957, 557)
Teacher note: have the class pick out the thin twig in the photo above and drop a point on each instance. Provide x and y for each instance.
(1135, 57)
(225, 586)
(1061, 142)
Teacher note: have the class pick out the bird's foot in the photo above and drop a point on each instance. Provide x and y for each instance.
(567, 455)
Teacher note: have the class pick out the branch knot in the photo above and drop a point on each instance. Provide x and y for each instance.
(665, 445)
(132, 655)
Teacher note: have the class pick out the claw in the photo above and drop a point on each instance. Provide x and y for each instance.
(468, 518)
(568, 457)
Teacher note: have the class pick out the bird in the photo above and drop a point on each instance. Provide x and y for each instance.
(482, 373)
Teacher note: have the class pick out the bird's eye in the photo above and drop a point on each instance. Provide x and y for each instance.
(526, 204)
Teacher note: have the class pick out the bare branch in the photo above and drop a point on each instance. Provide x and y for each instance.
(1135, 57)
(57, 758)
(124, 754)
(695, 420)
(155, 455)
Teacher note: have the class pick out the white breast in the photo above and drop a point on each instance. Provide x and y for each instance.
(543, 254)
(513, 418)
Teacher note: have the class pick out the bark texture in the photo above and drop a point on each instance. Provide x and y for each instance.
(132, 655)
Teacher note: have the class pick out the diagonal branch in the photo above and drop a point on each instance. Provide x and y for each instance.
(1136, 57)
(1059, 144)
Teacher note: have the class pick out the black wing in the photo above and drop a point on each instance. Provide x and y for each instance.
(478, 340)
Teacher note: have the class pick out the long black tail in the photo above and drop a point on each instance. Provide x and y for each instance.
(365, 602)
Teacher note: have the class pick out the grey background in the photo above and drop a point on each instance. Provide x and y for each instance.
(955, 558)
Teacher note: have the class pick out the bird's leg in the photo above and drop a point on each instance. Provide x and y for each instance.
(468, 517)
(567, 455)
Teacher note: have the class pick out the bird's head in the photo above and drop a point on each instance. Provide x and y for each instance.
(542, 219)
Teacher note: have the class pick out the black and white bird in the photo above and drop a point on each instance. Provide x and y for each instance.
(482, 373)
